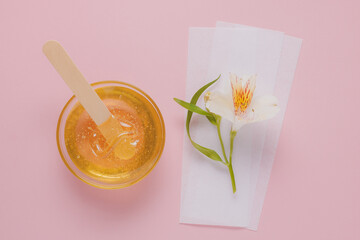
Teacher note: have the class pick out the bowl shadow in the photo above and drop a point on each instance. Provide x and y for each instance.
(114, 203)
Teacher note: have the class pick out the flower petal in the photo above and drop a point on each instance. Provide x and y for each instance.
(220, 104)
(238, 123)
(264, 107)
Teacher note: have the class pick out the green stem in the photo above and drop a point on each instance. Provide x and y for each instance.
(218, 120)
(232, 177)
(232, 136)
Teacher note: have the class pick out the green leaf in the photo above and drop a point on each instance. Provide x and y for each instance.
(196, 96)
(206, 151)
(192, 107)
(211, 119)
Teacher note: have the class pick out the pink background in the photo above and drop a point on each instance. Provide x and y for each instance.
(314, 190)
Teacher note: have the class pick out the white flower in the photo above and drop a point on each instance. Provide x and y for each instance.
(235, 102)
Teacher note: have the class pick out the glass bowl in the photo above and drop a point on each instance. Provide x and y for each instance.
(155, 145)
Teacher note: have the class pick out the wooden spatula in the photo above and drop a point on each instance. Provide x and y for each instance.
(106, 122)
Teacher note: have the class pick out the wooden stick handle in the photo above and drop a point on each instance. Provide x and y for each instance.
(76, 82)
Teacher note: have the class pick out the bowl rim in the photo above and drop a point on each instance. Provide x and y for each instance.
(112, 186)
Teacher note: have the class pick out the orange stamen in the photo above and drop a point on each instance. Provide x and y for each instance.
(242, 95)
